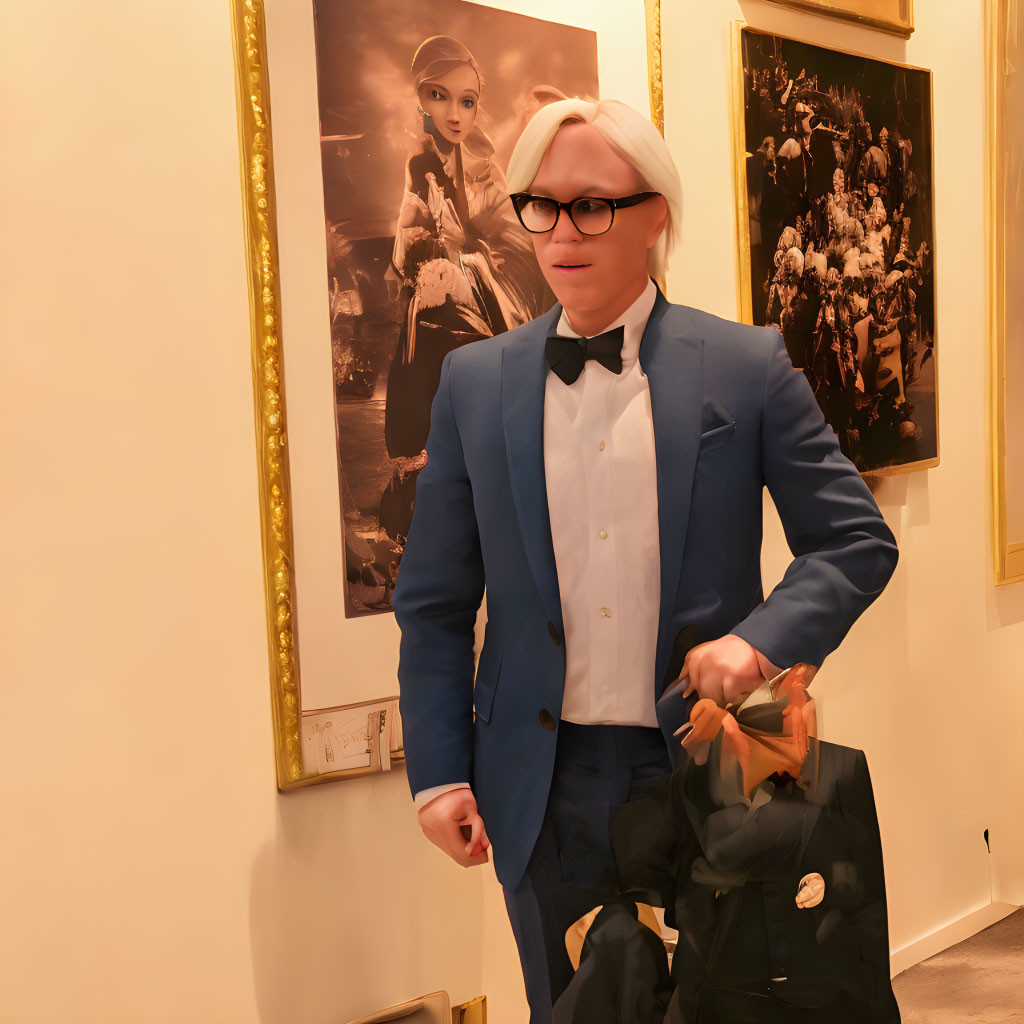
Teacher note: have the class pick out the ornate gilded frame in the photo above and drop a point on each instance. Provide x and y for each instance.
(897, 25)
(742, 211)
(1008, 555)
(652, 10)
(253, 96)
(253, 99)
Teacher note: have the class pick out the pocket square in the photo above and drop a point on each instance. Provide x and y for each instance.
(714, 415)
(716, 437)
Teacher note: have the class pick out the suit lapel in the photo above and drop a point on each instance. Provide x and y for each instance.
(819, 788)
(671, 357)
(524, 372)
(671, 354)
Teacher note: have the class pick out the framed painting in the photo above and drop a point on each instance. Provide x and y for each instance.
(834, 203)
(379, 237)
(895, 16)
(1005, 200)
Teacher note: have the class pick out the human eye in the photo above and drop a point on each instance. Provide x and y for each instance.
(469, 103)
(436, 94)
(541, 205)
(588, 205)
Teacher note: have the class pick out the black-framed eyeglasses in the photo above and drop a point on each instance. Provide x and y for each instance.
(592, 215)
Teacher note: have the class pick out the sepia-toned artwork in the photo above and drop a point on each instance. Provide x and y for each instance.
(420, 106)
(896, 16)
(834, 168)
(374, 138)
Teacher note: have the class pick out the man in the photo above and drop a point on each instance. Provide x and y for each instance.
(610, 499)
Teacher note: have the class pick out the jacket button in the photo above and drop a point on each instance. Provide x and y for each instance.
(555, 635)
(546, 719)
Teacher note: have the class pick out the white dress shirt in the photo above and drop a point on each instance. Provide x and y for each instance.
(603, 503)
(602, 495)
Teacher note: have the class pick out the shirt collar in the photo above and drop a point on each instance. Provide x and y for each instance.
(634, 320)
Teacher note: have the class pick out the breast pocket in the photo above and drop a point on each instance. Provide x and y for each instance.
(712, 439)
(487, 672)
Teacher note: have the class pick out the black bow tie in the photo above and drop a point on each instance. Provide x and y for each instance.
(780, 779)
(567, 356)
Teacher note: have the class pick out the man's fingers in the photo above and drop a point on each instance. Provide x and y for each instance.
(691, 671)
(462, 838)
(474, 826)
(452, 841)
(475, 849)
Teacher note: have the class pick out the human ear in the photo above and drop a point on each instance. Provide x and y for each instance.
(658, 219)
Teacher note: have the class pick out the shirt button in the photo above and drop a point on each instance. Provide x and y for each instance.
(601, 446)
(603, 534)
(606, 612)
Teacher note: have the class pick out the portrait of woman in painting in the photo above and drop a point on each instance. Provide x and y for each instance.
(420, 107)
(465, 265)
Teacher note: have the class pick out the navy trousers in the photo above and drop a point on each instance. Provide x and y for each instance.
(598, 768)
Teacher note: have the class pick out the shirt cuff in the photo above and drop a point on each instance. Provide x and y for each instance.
(424, 796)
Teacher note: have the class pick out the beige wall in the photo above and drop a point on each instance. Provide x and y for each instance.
(149, 871)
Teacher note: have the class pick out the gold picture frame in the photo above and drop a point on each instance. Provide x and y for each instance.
(248, 22)
(740, 153)
(1006, 352)
(893, 16)
(249, 31)
(652, 27)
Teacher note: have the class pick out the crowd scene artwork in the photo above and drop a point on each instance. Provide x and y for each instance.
(420, 107)
(838, 177)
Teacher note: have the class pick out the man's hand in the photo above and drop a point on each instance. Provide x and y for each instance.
(451, 822)
(726, 670)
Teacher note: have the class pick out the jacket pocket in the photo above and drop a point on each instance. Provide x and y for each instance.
(487, 672)
(715, 438)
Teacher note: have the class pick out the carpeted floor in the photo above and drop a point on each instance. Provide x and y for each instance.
(980, 980)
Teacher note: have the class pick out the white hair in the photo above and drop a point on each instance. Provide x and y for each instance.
(628, 132)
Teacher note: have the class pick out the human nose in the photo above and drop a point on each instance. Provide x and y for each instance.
(564, 229)
(454, 113)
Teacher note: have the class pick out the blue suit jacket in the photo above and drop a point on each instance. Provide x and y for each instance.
(731, 415)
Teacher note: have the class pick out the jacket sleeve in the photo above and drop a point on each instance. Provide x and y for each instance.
(439, 589)
(844, 553)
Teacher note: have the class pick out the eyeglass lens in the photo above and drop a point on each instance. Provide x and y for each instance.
(591, 216)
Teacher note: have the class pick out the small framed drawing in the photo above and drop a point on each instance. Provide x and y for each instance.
(379, 237)
(895, 16)
(834, 202)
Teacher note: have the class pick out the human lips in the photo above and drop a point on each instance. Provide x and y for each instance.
(570, 269)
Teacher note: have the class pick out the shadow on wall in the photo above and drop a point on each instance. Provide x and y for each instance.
(1005, 604)
(352, 910)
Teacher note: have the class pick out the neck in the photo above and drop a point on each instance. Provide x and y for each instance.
(589, 322)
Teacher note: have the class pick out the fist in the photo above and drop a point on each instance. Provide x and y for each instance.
(452, 823)
(726, 670)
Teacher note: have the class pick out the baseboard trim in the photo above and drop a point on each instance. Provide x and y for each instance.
(948, 935)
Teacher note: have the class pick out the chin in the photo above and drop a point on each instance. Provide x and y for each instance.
(582, 295)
